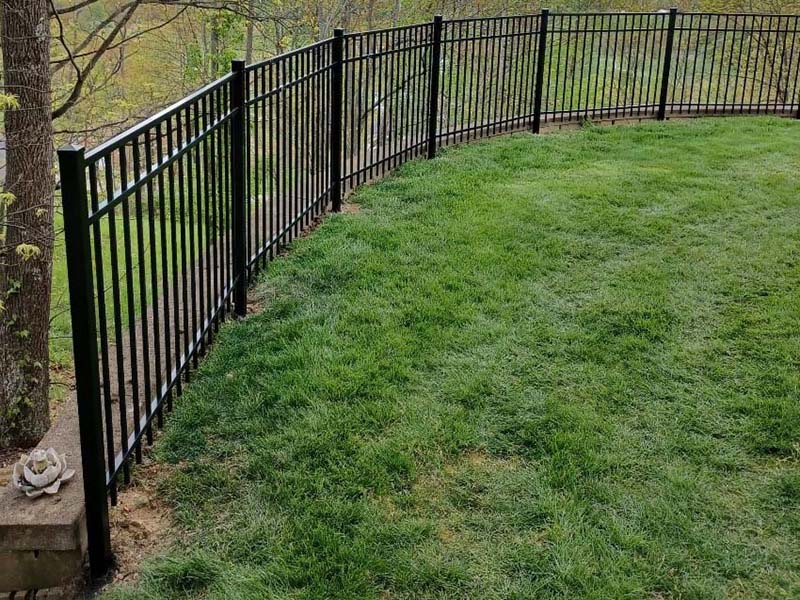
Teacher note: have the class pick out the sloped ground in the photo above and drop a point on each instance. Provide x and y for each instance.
(554, 367)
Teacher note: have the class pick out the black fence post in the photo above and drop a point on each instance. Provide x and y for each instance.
(662, 104)
(433, 85)
(540, 52)
(239, 185)
(84, 346)
(337, 79)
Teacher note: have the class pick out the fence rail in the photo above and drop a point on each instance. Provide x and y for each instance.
(167, 222)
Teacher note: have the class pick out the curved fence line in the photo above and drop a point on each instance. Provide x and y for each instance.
(167, 222)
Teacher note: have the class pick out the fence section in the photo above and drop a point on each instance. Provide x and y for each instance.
(735, 64)
(158, 230)
(488, 76)
(288, 126)
(602, 66)
(385, 100)
(166, 223)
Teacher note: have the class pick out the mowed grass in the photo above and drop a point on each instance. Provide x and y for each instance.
(536, 367)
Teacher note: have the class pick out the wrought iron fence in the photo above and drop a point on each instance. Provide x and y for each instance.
(166, 223)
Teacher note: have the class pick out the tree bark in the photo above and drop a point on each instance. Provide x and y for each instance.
(396, 13)
(214, 47)
(26, 256)
(251, 19)
(370, 14)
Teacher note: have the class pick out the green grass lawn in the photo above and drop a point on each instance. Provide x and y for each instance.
(537, 367)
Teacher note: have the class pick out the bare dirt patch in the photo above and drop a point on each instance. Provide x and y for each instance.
(141, 523)
(481, 460)
(431, 487)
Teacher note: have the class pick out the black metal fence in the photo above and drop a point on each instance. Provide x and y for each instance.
(167, 222)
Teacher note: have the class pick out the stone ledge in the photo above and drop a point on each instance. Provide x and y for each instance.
(23, 571)
(43, 541)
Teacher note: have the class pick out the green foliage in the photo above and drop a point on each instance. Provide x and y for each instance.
(537, 367)
(226, 31)
(28, 251)
(8, 102)
(6, 199)
(193, 70)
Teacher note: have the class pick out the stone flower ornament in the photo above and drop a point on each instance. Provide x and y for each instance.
(42, 472)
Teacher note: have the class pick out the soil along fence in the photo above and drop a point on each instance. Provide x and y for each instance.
(167, 222)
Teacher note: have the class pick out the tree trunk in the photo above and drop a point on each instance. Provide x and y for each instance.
(214, 48)
(370, 14)
(248, 47)
(396, 13)
(323, 23)
(26, 256)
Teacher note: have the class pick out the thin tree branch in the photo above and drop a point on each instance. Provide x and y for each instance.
(88, 39)
(72, 8)
(62, 61)
(81, 80)
(64, 41)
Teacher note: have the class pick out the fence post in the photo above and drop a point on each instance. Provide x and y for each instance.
(537, 100)
(84, 346)
(662, 104)
(238, 185)
(337, 78)
(433, 85)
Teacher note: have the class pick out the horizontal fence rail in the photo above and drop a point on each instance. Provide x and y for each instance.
(167, 223)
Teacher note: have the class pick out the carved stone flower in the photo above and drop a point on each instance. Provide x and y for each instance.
(42, 472)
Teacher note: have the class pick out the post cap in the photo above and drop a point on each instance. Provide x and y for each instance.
(238, 64)
(338, 32)
(70, 148)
